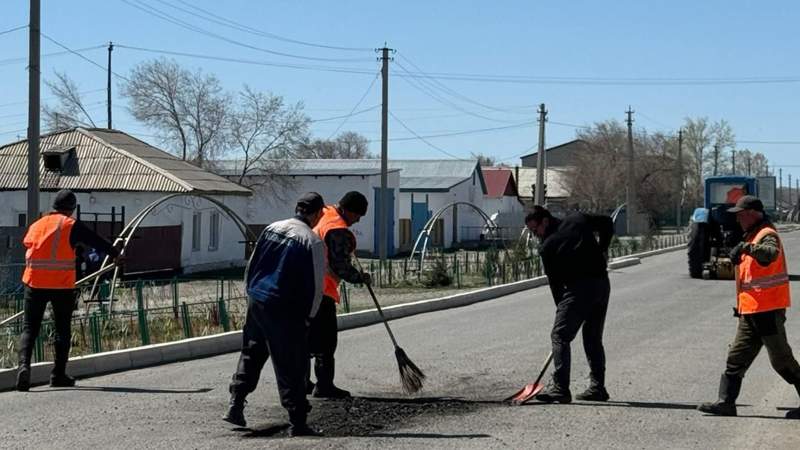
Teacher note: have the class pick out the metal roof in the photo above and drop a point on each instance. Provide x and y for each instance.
(556, 147)
(109, 160)
(299, 167)
(499, 182)
(416, 175)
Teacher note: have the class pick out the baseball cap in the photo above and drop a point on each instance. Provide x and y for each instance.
(747, 202)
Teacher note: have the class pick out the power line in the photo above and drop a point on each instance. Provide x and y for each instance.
(524, 152)
(9, 61)
(242, 27)
(25, 102)
(461, 133)
(101, 67)
(358, 103)
(345, 116)
(11, 30)
(249, 61)
(149, 9)
(421, 138)
(427, 91)
(446, 89)
(768, 142)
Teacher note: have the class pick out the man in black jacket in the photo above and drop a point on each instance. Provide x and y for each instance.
(575, 264)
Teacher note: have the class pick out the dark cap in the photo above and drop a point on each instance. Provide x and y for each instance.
(747, 202)
(310, 202)
(354, 202)
(65, 201)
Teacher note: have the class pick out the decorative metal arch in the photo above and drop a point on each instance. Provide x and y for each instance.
(424, 234)
(129, 230)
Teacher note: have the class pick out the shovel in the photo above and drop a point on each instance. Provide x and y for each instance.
(530, 390)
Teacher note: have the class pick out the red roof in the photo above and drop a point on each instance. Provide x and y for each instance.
(499, 182)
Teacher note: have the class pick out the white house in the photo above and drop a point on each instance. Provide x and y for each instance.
(501, 201)
(111, 171)
(419, 188)
(275, 194)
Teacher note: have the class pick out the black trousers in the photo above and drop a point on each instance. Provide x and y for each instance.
(63, 303)
(584, 302)
(274, 331)
(323, 334)
(767, 330)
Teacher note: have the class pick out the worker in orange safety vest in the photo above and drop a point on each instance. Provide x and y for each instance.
(762, 291)
(340, 244)
(49, 276)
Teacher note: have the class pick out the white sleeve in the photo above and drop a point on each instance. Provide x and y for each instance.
(318, 255)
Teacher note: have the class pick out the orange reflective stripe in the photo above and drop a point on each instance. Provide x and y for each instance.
(766, 282)
(763, 288)
(49, 259)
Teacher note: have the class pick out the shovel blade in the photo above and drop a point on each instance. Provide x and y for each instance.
(525, 394)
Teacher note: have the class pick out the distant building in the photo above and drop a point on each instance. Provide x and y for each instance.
(555, 182)
(111, 171)
(502, 201)
(562, 155)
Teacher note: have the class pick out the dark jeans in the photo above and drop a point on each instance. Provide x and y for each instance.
(273, 331)
(763, 329)
(584, 302)
(63, 303)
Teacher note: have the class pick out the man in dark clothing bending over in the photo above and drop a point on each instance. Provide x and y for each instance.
(575, 265)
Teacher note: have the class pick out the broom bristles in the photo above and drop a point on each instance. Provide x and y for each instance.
(411, 376)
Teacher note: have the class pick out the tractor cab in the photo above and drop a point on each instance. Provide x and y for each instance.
(714, 230)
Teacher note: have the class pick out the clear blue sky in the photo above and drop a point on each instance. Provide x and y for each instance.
(611, 40)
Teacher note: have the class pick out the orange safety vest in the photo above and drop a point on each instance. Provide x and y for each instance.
(762, 288)
(50, 259)
(331, 220)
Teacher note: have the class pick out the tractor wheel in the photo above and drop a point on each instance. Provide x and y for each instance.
(698, 248)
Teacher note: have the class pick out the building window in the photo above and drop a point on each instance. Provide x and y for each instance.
(213, 231)
(197, 221)
(405, 232)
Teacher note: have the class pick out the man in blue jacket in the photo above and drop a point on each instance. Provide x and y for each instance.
(284, 286)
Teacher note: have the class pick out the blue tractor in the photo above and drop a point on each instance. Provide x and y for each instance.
(714, 231)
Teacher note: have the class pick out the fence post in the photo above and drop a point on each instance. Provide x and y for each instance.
(94, 332)
(390, 272)
(345, 297)
(187, 320)
(175, 297)
(144, 332)
(223, 316)
(38, 348)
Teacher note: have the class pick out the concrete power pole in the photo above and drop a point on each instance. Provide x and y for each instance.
(748, 164)
(383, 210)
(716, 159)
(733, 161)
(679, 176)
(790, 189)
(630, 192)
(780, 184)
(33, 111)
(108, 89)
(540, 158)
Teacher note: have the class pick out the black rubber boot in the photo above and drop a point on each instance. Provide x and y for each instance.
(61, 380)
(794, 413)
(235, 413)
(729, 387)
(298, 426)
(24, 377)
(554, 394)
(594, 394)
(324, 368)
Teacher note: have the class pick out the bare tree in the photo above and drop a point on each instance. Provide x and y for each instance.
(348, 145)
(188, 109)
(70, 110)
(263, 132)
(484, 160)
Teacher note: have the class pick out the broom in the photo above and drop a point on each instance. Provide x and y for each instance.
(411, 376)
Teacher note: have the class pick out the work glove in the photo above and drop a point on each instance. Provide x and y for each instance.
(742, 248)
(366, 278)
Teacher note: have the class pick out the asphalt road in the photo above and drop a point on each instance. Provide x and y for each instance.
(666, 338)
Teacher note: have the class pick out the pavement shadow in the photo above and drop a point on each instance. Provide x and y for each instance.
(378, 416)
(129, 390)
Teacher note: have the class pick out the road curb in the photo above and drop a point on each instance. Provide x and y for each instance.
(200, 347)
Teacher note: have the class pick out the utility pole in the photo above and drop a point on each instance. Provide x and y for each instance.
(679, 172)
(716, 159)
(540, 158)
(790, 189)
(108, 89)
(383, 210)
(630, 192)
(748, 164)
(780, 184)
(33, 111)
(733, 161)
